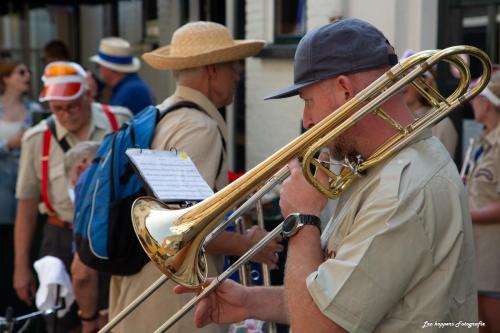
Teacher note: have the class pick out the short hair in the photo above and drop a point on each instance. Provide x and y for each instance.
(81, 150)
(7, 67)
(56, 50)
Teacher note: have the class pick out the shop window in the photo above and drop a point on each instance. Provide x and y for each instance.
(290, 21)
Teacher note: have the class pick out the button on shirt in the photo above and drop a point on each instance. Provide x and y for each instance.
(30, 173)
(399, 251)
(483, 189)
(133, 93)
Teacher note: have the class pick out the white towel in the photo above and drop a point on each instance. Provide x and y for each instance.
(51, 272)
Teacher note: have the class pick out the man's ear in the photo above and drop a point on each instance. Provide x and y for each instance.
(211, 71)
(344, 87)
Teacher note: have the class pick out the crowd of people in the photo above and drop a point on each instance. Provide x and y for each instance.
(407, 247)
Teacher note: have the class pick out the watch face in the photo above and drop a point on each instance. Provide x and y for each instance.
(290, 225)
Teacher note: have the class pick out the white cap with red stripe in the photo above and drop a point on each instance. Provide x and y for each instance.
(62, 80)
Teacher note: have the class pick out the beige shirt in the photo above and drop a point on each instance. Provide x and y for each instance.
(484, 188)
(198, 134)
(399, 250)
(30, 172)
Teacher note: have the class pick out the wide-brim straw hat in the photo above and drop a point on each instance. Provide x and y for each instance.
(199, 44)
(115, 53)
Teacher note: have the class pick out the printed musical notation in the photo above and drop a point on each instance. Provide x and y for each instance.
(171, 176)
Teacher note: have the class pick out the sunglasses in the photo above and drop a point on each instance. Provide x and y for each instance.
(23, 72)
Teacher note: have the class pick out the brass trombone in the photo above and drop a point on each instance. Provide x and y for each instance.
(174, 239)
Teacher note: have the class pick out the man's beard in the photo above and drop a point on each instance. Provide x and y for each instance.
(343, 147)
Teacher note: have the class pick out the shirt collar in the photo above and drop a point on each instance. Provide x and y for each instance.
(492, 137)
(187, 93)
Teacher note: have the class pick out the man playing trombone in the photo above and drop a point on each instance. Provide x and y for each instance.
(204, 59)
(397, 256)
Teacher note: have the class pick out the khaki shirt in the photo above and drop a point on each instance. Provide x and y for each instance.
(198, 134)
(399, 250)
(484, 188)
(29, 181)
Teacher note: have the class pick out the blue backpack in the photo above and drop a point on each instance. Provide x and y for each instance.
(104, 235)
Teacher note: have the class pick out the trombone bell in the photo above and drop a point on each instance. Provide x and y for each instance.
(165, 241)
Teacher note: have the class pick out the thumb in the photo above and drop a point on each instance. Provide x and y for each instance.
(294, 166)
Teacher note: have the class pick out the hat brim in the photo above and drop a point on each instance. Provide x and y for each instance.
(131, 68)
(161, 58)
(61, 91)
(290, 91)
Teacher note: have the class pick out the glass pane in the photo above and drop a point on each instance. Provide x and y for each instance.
(290, 18)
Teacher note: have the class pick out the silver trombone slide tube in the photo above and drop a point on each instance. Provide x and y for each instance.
(266, 275)
(278, 178)
(467, 158)
(243, 272)
(219, 279)
(131, 307)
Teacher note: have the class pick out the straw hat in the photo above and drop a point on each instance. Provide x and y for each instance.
(201, 43)
(115, 53)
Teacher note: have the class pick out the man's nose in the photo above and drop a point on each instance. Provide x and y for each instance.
(307, 121)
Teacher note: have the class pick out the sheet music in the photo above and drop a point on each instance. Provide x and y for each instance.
(171, 176)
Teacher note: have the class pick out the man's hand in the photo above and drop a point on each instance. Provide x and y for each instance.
(269, 254)
(24, 284)
(298, 196)
(224, 305)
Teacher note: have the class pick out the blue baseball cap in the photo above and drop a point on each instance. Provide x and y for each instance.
(342, 47)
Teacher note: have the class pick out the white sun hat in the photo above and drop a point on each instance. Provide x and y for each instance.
(115, 53)
(63, 81)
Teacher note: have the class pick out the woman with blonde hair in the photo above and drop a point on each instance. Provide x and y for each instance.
(419, 106)
(483, 188)
(15, 116)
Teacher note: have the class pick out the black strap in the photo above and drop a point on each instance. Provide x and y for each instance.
(192, 105)
(51, 123)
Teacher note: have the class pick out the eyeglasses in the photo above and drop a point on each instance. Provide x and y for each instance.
(23, 72)
(72, 107)
(235, 66)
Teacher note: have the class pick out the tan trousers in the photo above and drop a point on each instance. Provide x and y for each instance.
(151, 314)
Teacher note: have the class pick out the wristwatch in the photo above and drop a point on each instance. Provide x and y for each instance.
(295, 221)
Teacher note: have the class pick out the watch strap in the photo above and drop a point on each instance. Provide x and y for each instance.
(310, 220)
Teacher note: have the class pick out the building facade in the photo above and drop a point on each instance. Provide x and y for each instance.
(257, 127)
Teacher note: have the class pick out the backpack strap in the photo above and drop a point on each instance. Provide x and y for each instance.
(192, 105)
(111, 117)
(51, 123)
(45, 169)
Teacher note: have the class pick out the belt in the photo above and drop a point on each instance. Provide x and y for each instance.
(54, 220)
